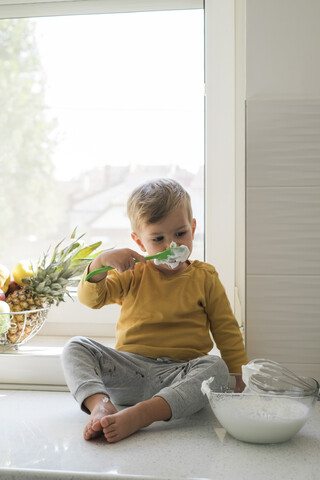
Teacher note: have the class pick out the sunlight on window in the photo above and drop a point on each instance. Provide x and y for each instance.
(91, 112)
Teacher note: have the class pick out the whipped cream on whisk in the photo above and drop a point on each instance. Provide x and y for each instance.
(179, 255)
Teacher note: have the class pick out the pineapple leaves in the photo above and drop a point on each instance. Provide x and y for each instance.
(60, 255)
(85, 252)
(55, 276)
(73, 234)
(55, 252)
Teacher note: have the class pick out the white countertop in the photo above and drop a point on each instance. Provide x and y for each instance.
(41, 438)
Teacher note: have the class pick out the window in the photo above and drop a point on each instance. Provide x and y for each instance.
(112, 101)
(219, 114)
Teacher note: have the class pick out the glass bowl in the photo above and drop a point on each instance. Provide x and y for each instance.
(17, 328)
(260, 418)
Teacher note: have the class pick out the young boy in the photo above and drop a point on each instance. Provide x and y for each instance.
(163, 332)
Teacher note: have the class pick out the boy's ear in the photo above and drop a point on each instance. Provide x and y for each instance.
(194, 224)
(135, 237)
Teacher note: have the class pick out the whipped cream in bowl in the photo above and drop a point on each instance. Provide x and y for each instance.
(259, 417)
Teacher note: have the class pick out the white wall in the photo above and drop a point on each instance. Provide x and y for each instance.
(283, 182)
(283, 38)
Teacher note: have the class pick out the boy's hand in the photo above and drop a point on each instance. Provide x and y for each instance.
(240, 385)
(121, 259)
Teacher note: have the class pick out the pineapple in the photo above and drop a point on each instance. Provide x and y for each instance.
(48, 286)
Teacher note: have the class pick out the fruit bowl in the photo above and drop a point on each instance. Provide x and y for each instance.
(260, 418)
(22, 326)
(26, 298)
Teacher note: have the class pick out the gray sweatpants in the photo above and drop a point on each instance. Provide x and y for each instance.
(127, 378)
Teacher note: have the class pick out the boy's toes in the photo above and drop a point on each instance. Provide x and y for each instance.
(111, 437)
(107, 421)
(96, 426)
(90, 434)
(87, 434)
(92, 431)
(110, 430)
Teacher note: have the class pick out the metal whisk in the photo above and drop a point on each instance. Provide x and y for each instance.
(267, 376)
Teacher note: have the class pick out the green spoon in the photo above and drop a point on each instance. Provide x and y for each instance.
(174, 252)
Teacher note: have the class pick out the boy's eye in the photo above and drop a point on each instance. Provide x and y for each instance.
(158, 239)
(180, 234)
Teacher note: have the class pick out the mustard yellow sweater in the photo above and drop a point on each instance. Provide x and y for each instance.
(170, 315)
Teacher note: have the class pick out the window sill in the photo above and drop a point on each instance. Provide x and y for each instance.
(36, 365)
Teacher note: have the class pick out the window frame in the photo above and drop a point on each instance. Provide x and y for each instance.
(38, 8)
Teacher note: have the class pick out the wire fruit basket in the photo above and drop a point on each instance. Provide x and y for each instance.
(16, 328)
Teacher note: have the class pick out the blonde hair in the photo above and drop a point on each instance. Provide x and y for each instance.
(154, 200)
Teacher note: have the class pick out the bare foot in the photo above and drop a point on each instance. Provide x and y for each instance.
(99, 409)
(121, 424)
(126, 422)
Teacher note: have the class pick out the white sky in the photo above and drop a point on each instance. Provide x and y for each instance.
(125, 88)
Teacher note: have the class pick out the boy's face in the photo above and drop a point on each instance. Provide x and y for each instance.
(156, 237)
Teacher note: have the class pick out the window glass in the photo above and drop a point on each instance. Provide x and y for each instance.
(92, 106)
